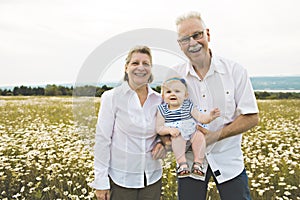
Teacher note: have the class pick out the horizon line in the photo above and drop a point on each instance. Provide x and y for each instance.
(116, 81)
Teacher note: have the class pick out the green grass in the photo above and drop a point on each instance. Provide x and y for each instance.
(46, 150)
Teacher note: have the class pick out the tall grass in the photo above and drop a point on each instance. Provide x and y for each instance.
(45, 151)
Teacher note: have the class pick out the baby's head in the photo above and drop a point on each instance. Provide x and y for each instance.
(174, 91)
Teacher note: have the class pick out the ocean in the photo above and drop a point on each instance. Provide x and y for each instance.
(276, 83)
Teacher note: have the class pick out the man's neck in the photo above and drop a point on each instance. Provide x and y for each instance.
(202, 65)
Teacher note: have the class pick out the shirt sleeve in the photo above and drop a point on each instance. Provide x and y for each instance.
(244, 95)
(160, 108)
(191, 105)
(104, 131)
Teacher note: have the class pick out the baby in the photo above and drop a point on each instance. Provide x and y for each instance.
(176, 117)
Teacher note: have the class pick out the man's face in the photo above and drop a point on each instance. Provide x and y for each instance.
(193, 38)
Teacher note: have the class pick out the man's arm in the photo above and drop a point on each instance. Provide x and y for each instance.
(241, 124)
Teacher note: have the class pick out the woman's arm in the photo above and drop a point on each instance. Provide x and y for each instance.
(160, 124)
(161, 129)
(103, 137)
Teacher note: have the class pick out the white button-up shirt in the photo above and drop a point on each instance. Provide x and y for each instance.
(125, 135)
(228, 87)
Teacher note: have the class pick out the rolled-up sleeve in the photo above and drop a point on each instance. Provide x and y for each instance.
(244, 95)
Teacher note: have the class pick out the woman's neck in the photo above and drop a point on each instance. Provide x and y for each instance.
(142, 92)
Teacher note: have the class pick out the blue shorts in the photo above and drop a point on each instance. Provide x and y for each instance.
(234, 189)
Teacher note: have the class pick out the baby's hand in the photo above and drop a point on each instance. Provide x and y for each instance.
(174, 132)
(215, 113)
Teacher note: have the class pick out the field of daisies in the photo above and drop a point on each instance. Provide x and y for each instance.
(47, 142)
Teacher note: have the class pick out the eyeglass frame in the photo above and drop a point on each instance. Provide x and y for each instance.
(188, 37)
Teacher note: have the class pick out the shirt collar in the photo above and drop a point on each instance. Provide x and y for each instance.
(126, 88)
(215, 66)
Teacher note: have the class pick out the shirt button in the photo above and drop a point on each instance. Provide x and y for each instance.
(203, 95)
(217, 173)
(204, 110)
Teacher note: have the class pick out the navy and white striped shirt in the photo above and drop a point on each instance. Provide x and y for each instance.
(182, 113)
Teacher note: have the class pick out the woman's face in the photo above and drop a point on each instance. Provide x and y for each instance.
(138, 70)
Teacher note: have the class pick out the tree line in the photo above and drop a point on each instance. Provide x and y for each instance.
(54, 90)
(89, 90)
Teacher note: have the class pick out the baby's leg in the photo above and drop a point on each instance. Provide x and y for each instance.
(178, 146)
(198, 146)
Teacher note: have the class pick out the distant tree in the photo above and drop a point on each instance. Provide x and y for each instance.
(101, 90)
(272, 96)
(38, 91)
(104, 87)
(52, 90)
(23, 90)
(283, 95)
(16, 91)
(157, 88)
(87, 90)
(262, 95)
(6, 92)
(26, 91)
(65, 91)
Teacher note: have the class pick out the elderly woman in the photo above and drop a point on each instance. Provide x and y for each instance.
(126, 150)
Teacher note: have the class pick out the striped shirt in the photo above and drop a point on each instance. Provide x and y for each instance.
(182, 113)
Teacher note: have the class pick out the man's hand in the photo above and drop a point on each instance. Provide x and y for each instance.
(210, 136)
(159, 151)
(240, 125)
(166, 140)
(102, 194)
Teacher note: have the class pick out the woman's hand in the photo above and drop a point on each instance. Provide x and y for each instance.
(174, 132)
(159, 151)
(102, 194)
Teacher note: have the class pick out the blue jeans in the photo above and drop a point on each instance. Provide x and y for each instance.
(234, 189)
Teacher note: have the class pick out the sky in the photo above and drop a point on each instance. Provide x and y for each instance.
(48, 41)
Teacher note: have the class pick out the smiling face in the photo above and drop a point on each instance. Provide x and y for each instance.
(174, 93)
(139, 70)
(193, 38)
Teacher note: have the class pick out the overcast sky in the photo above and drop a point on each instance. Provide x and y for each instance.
(47, 41)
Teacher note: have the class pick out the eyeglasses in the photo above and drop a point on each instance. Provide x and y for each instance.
(186, 39)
